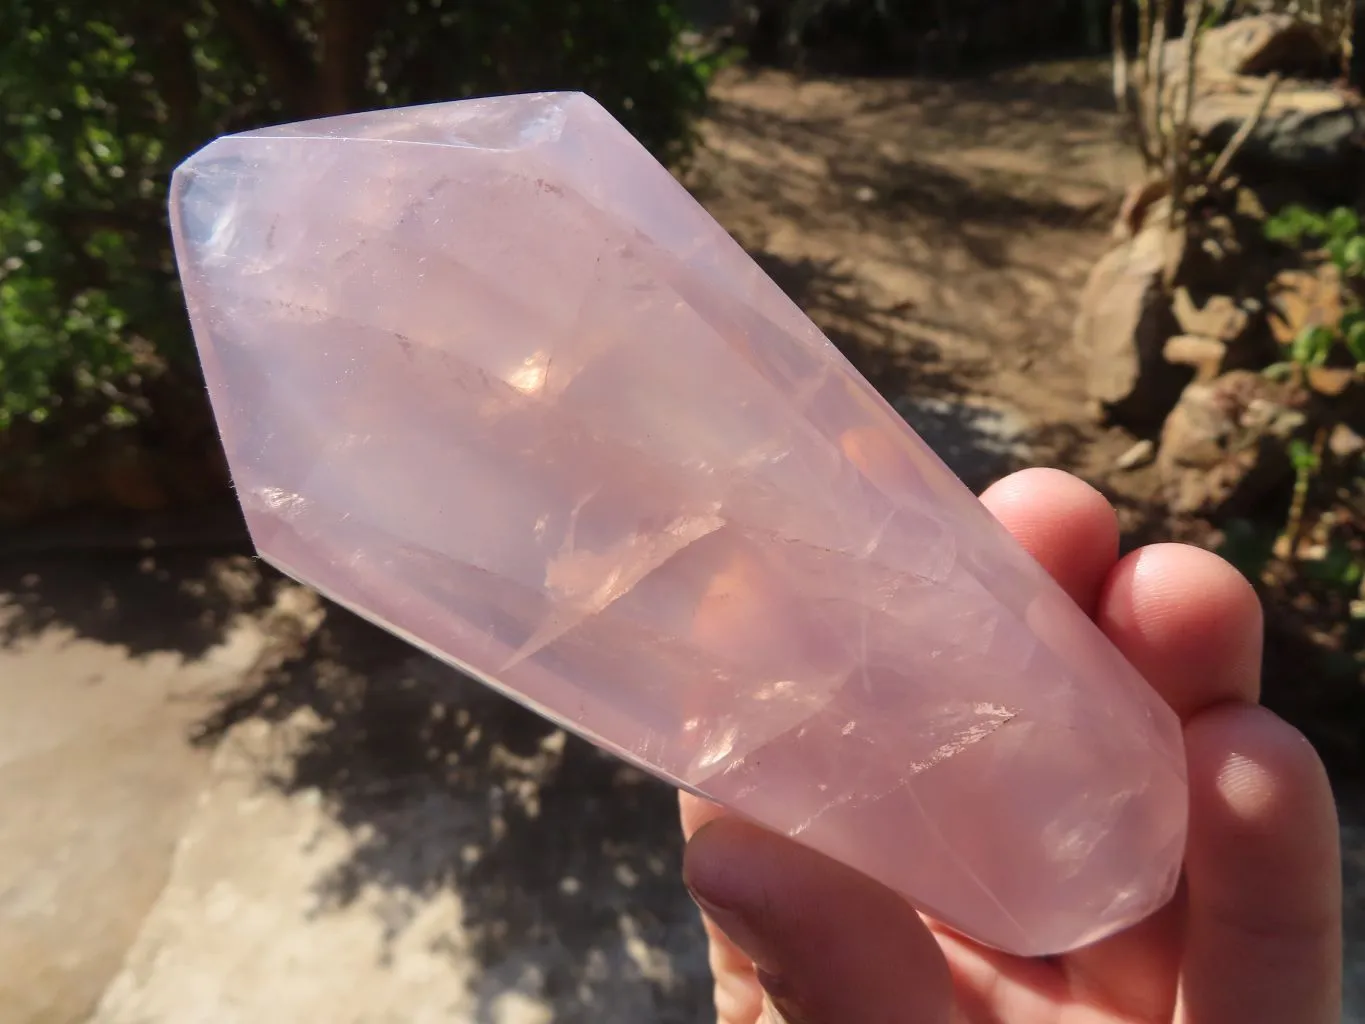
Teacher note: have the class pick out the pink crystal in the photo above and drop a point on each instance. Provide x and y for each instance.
(486, 374)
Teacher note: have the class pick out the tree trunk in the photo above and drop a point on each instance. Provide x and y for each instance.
(345, 31)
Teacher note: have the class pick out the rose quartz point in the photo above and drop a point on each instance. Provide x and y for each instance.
(486, 374)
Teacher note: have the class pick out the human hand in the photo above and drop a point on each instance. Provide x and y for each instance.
(1252, 937)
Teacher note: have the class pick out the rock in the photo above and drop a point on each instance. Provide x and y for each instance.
(1137, 456)
(1224, 446)
(1204, 355)
(247, 929)
(1124, 321)
(1140, 204)
(1300, 299)
(1219, 317)
(1344, 442)
(97, 776)
(1311, 126)
(1179, 245)
(1308, 129)
(1265, 44)
(1210, 255)
(1234, 61)
(1331, 381)
(319, 880)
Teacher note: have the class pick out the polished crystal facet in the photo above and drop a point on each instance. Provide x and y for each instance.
(488, 375)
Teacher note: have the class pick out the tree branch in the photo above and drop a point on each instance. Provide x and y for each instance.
(1157, 78)
(180, 86)
(345, 28)
(1235, 144)
(1195, 13)
(1124, 78)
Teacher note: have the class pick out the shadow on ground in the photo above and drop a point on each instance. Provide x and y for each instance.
(901, 352)
(140, 601)
(573, 865)
(961, 156)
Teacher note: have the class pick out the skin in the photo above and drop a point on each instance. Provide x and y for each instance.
(1252, 937)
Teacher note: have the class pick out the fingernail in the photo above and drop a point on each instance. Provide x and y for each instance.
(771, 1014)
(738, 930)
(779, 1006)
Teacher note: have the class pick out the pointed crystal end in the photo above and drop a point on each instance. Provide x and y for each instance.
(486, 374)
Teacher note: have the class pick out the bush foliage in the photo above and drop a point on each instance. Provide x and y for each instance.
(102, 99)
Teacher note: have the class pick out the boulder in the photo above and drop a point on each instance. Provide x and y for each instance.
(1121, 328)
(1311, 127)
(1226, 333)
(1205, 356)
(1344, 443)
(1224, 447)
(1266, 44)
(1142, 204)
(1308, 130)
(1139, 455)
(1217, 316)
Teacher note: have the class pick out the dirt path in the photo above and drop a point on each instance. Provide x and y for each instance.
(938, 232)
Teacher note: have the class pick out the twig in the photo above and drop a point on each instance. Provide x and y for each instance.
(1180, 171)
(1346, 39)
(1120, 44)
(1157, 78)
(1288, 545)
(1137, 78)
(1123, 85)
(1144, 48)
(1248, 126)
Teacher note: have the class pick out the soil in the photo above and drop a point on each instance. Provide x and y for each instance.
(939, 231)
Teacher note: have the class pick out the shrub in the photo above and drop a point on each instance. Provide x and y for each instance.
(103, 99)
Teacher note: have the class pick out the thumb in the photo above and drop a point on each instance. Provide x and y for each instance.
(830, 945)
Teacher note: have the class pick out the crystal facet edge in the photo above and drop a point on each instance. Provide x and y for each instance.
(483, 679)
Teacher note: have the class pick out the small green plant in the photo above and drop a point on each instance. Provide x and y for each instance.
(1335, 238)
(1338, 238)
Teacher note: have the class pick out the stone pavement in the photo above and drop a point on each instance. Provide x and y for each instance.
(97, 780)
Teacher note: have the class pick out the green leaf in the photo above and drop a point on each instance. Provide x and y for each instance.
(1339, 566)
(1303, 458)
(1343, 222)
(1278, 371)
(1313, 345)
(1353, 330)
(1287, 226)
(1355, 255)
(1337, 253)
